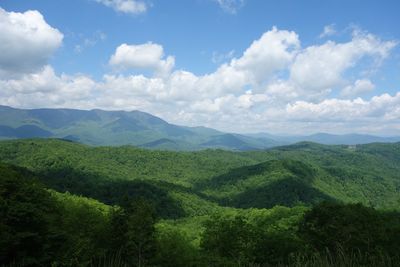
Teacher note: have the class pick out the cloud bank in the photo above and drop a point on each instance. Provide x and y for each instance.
(275, 85)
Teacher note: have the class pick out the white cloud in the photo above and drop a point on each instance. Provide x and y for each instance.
(282, 91)
(261, 90)
(321, 68)
(329, 30)
(228, 104)
(274, 51)
(125, 6)
(271, 53)
(46, 89)
(26, 42)
(231, 6)
(358, 88)
(383, 107)
(143, 57)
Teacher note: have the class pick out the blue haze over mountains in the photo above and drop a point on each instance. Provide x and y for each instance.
(99, 127)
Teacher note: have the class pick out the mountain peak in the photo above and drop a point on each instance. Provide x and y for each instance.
(135, 127)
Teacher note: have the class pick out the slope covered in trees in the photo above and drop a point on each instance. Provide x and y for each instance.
(68, 204)
(305, 172)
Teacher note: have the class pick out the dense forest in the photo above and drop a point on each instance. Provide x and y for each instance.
(68, 204)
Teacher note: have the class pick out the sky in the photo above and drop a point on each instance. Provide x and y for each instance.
(282, 67)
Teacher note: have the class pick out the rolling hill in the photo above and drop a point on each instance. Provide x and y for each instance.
(288, 175)
(85, 192)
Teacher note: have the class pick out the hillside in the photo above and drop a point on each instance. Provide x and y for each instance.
(88, 203)
(301, 173)
(99, 127)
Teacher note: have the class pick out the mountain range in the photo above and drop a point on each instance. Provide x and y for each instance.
(115, 128)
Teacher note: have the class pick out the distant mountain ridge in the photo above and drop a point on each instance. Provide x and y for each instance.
(99, 127)
(114, 128)
(330, 139)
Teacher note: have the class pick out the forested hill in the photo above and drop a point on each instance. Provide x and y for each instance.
(302, 173)
(67, 204)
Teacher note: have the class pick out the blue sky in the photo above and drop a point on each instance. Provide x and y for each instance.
(351, 85)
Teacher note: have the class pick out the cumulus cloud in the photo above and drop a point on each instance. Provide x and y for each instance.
(384, 107)
(274, 85)
(26, 42)
(125, 6)
(46, 89)
(147, 56)
(230, 6)
(222, 98)
(282, 91)
(321, 67)
(272, 52)
(358, 88)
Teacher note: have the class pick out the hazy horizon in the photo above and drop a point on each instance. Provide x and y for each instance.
(273, 134)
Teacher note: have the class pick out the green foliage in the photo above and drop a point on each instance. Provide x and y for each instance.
(304, 173)
(119, 163)
(253, 236)
(351, 228)
(29, 216)
(112, 192)
(85, 225)
(328, 235)
(207, 208)
(174, 248)
(285, 192)
(133, 232)
(228, 238)
(140, 232)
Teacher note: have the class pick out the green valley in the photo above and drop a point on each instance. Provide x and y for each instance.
(192, 198)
